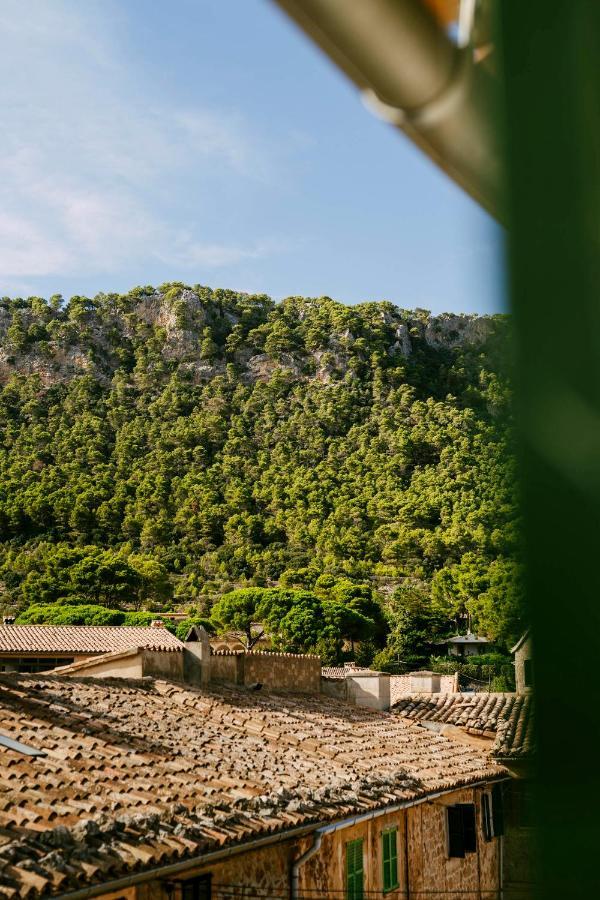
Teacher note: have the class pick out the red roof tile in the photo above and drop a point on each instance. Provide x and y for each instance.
(509, 716)
(90, 639)
(138, 774)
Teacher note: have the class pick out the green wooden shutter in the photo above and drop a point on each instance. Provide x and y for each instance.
(389, 841)
(354, 870)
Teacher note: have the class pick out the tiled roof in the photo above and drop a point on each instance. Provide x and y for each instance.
(334, 672)
(507, 716)
(516, 732)
(142, 774)
(466, 639)
(84, 638)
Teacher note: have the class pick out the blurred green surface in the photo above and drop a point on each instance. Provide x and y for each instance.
(552, 61)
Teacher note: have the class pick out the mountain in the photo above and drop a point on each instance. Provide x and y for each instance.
(190, 440)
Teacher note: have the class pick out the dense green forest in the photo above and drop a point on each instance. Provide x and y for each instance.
(163, 448)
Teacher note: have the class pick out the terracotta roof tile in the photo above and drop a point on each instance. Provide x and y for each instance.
(21, 639)
(509, 716)
(143, 773)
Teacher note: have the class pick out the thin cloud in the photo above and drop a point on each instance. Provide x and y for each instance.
(89, 171)
(188, 253)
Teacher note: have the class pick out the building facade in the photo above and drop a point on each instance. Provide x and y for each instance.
(393, 855)
(41, 648)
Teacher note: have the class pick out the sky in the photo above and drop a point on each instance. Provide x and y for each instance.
(208, 141)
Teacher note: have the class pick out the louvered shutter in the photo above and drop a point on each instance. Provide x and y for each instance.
(354, 870)
(390, 859)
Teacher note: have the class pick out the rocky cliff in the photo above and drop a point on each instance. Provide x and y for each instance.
(203, 331)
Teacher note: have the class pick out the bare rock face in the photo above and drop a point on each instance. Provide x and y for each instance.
(402, 343)
(202, 332)
(261, 366)
(449, 330)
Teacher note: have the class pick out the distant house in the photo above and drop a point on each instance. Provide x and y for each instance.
(467, 645)
(40, 648)
(523, 664)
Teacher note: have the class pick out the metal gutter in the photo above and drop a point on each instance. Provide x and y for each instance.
(234, 850)
(192, 862)
(411, 73)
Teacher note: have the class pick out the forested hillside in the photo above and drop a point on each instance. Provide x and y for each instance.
(162, 447)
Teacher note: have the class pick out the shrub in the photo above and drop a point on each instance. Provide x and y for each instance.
(490, 668)
(146, 618)
(53, 614)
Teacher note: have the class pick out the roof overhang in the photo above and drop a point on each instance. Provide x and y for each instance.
(400, 56)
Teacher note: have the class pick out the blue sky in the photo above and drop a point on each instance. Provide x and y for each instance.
(208, 141)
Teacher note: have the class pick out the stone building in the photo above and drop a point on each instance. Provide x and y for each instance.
(523, 664)
(40, 648)
(467, 645)
(149, 789)
(502, 726)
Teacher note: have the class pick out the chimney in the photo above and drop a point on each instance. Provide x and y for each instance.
(197, 656)
(157, 623)
(8, 620)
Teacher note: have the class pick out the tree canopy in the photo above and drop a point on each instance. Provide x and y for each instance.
(165, 447)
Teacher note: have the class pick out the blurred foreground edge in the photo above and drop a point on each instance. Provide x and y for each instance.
(410, 72)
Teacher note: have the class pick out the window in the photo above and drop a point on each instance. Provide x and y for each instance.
(528, 672)
(196, 888)
(389, 840)
(462, 835)
(497, 810)
(492, 813)
(354, 870)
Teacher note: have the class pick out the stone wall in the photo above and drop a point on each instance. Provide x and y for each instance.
(325, 874)
(284, 671)
(424, 869)
(523, 657)
(275, 671)
(163, 664)
(226, 666)
(401, 684)
(431, 871)
(334, 687)
(261, 873)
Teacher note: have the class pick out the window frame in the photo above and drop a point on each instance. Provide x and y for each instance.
(486, 816)
(461, 830)
(197, 888)
(389, 841)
